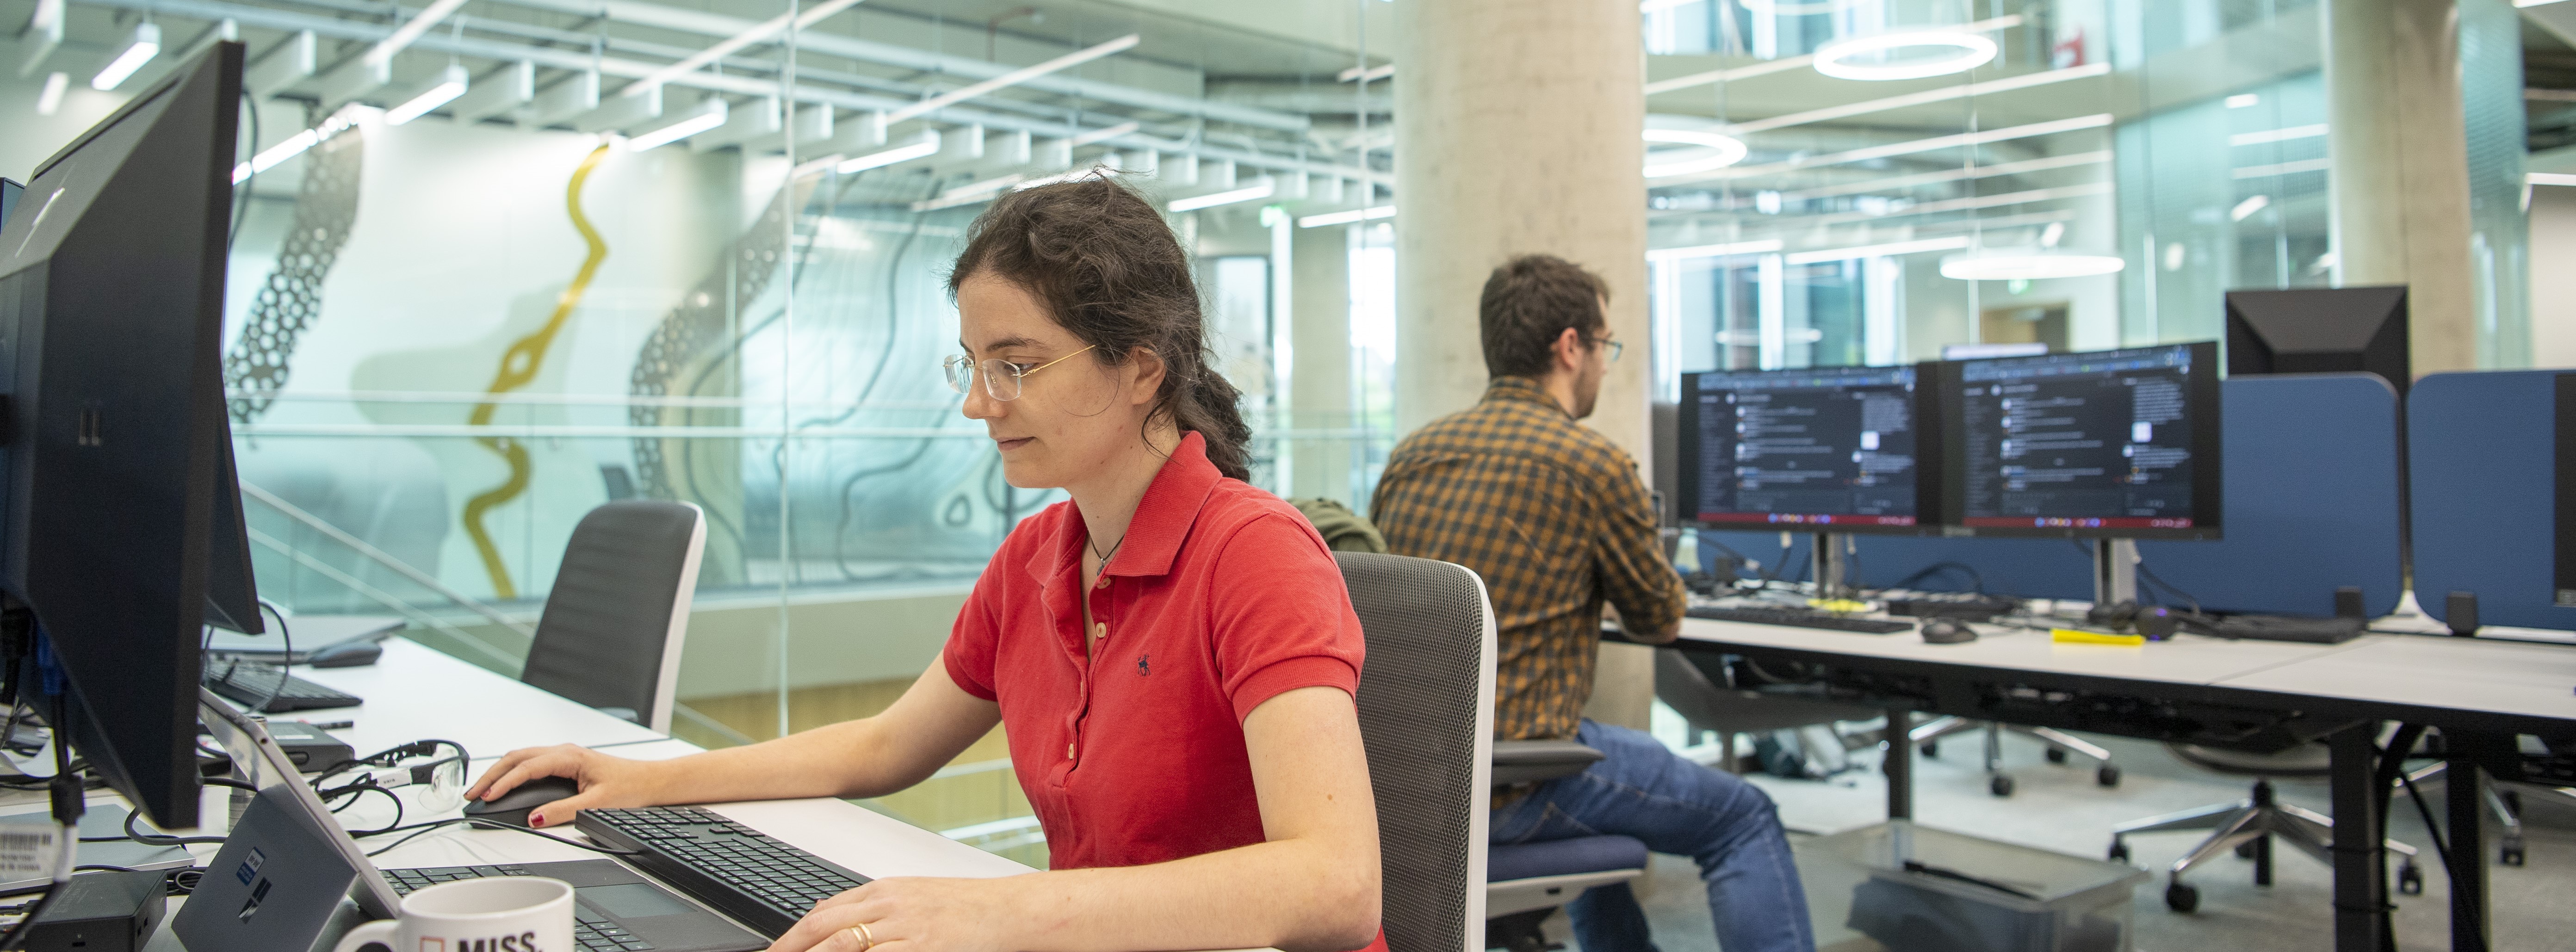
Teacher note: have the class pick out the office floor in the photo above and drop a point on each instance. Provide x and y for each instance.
(2060, 808)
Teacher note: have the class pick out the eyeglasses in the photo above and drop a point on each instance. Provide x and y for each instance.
(1616, 347)
(1001, 377)
(442, 780)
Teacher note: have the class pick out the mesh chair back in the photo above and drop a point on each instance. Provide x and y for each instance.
(614, 624)
(1426, 706)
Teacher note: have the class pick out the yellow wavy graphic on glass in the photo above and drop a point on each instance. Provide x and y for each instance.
(519, 366)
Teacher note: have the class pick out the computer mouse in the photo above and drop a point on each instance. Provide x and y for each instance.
(513, 807)
(347, 654)
(1945, 632)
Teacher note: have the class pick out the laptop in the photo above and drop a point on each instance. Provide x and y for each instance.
(287, 870)
(312, 634)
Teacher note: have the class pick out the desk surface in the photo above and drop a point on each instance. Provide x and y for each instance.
(2441, 672)
(2187, 659)
(416, 692)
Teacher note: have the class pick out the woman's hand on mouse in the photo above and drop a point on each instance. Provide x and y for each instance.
(924, 914)
(605, 781)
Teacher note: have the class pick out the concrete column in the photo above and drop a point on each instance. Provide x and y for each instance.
(1518, 130)
(1320, 390)
(2400, 171)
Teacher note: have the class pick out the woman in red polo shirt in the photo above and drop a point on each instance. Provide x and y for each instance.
(1172, 652)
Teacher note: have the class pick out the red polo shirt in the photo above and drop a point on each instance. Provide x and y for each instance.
(1221, 597)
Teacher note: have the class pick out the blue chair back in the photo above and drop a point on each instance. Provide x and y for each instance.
(2481, 451)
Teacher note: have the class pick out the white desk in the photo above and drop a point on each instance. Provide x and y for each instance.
(416, 692)
(2433, 671)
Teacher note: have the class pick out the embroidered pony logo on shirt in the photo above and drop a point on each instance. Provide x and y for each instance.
(1144, 664)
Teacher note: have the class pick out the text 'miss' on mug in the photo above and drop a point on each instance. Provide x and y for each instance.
(494, 914)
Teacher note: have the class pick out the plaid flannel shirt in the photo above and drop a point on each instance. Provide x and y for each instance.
(1555, 518)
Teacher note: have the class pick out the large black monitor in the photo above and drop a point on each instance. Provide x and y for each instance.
(2319, 330)
(1822, 450)
(2109, 444)
(120, 518)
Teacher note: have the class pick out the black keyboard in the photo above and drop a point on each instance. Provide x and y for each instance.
(2321, 631)
(739, 871)
(249, 682)
(1798, 618)
(591, 931)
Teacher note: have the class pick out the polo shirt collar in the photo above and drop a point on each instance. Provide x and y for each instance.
(1162, 520)
(1522, 389)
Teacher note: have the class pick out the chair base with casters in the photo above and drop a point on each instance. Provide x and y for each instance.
(1927, 739)
(2504, 805)
(1525, 882)
(2247, 827)
(1694, 686)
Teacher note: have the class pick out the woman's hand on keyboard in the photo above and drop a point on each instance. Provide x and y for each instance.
(924, 914)
(605, 781)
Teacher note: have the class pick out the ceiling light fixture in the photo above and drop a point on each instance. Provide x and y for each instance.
(1255, 192)
(924, 147)
(449, 85)
(382, 54)
(1755, 247)
(2026, 264)
(139, 49)
(2246, 209)
(1850, 58)
(1707, 152)
(1351, 217)
(707, 115)
(51, 98)
(1015, 77)
(297, 143)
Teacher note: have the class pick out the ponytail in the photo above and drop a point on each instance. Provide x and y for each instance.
(1110, 271)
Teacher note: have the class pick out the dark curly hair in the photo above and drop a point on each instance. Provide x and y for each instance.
(1528, 303)
(1106, 265)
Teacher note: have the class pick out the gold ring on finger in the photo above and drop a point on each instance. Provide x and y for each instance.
(866, 941)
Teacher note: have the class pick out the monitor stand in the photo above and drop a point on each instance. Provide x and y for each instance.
(1831, 555)
(2115, 571)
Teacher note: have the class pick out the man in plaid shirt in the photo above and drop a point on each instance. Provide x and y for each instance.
(1555, 518)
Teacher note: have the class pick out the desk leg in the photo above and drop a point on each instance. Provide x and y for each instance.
(2465, 796)
(2360, 866)
(1899, 766)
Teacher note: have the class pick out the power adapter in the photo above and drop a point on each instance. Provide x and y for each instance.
(101, 911)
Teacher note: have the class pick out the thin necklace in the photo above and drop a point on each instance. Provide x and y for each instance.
(1104, 556)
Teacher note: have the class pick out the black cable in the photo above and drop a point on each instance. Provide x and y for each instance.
(155, 839)
(283, 662)
(418, 830)
(1936, 568)
(241, 196)
(2440, 843)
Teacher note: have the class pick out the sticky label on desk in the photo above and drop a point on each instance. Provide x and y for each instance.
(2070, 636)
(30, 850)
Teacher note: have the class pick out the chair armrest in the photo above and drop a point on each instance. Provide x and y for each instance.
(1531, 761)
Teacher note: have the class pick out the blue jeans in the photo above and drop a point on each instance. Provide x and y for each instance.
(1674, 806)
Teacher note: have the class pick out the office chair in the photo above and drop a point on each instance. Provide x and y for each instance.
(2248, 826)
(619, 612)
(1686, 684)
(1426, 707)
(1927, 738)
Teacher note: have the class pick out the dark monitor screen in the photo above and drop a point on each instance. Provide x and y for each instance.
(1834, 449)
(2563, 574)
(2121, 443)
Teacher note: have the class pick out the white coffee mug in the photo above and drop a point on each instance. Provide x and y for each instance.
(493, 914)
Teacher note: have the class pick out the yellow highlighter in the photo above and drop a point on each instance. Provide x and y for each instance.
(2070, 636)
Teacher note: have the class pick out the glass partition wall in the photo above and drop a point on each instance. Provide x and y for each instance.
(498, 262)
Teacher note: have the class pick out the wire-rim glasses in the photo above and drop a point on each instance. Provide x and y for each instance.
(1001, 377)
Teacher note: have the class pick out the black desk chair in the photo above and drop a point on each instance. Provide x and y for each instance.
(619, 611)
(1696, 689)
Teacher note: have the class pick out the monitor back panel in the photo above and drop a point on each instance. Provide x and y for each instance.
(2312, 500)
(2482, 456)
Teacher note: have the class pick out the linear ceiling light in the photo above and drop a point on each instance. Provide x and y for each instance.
(762, 31)
(1784, 64)
(1868, 57)
(139, 49)
(1708, 152)
(296, 144)
(449, 85)
(1888, 250)
(1926, 97)
(44, 35)
(1014, 78)
(1250, 193)
(51, 98)
(1759, 246)
(383, 53)
(1351, 217)
(927, 145)
(1367, 74)
(2026, 264)
(1864, 154)
(707, 115)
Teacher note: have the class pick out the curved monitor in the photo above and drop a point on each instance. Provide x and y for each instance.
(2107, 444)
(1829, 449)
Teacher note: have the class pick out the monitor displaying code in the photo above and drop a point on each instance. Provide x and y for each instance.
(1822, 447)
(2102, 440)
